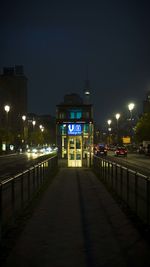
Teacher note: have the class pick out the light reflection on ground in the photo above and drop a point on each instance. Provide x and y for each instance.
(33, 155)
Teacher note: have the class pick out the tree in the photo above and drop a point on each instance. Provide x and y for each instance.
(142, 129)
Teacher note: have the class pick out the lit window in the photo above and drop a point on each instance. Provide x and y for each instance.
(78, 115)
(72, 115)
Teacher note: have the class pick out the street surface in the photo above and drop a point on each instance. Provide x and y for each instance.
(137, 162)
(13, 164)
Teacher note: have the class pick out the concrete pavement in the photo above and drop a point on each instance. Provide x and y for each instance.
(78, 224)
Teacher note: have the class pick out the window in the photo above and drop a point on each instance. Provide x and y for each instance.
(75, 114)
(78, 115)
(86, 128)
(61, 115)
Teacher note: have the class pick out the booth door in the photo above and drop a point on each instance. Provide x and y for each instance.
(74, 151)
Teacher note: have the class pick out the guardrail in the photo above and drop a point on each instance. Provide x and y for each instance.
(131, 186)
(17, 191)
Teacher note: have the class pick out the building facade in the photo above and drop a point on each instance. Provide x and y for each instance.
(74, 129)
(13, 93)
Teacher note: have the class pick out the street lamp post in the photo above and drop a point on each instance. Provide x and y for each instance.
(7, 109)
(131, 107)
(33, 123)
(109, 129)
(24, 128)
(117, 118)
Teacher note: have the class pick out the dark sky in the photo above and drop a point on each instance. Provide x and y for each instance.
(56, 40)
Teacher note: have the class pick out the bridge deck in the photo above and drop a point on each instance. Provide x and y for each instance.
(78, 224)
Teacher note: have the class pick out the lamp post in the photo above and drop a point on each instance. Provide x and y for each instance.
(24, 128)
(33, 123)
(131, 107)
(41, 128)
(109, 129)
(117, 118)
(7, 109)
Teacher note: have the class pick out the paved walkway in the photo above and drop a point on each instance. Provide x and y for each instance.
(78, 224)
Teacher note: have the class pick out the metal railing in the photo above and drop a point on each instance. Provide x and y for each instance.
(16, 192)
(131, 186)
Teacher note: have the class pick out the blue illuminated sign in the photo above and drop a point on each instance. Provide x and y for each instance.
(74, 129)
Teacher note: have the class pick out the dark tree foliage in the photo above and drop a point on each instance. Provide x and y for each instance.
(142, 129)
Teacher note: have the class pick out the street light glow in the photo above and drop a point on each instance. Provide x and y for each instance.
(109, 122)
(131, 106)
(24, 117)
(33, 122)
(117, 116)
(7, 108)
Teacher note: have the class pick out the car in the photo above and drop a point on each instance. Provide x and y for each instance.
(121, 151)
(101, 151)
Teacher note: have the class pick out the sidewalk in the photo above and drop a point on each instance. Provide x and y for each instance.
(78, 224)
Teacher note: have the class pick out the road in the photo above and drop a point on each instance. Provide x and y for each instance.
(139, 163)
(13, 164)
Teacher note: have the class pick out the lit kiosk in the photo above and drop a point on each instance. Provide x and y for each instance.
(74, 128)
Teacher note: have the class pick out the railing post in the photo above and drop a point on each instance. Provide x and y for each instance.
(127, 186)
(33, 179)
(112, 174)
(1, 212)
(40, 171)
(136, 193)
(22, 192)
(116, 177)
(37, 176)
(148, 200)
(29, 189)
(13, 199)
(121, 180)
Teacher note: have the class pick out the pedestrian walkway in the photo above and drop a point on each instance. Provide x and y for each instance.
(78, 224)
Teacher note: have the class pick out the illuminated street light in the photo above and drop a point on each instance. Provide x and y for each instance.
(24, 117)
(7, 109)
(109, 130)
(33, 122)
(25, 129)
(117, 118)
(131, 107)
(109, 122)
(41, 128)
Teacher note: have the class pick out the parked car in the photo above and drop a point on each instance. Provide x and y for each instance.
(121, 151)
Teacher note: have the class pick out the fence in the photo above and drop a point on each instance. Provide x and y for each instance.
(17, 191)
(132, 187)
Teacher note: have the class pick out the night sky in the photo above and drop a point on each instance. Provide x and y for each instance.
(57, 40)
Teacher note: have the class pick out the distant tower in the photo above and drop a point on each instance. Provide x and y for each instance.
(87, 91)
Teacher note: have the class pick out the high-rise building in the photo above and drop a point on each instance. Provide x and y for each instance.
(13, 92)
